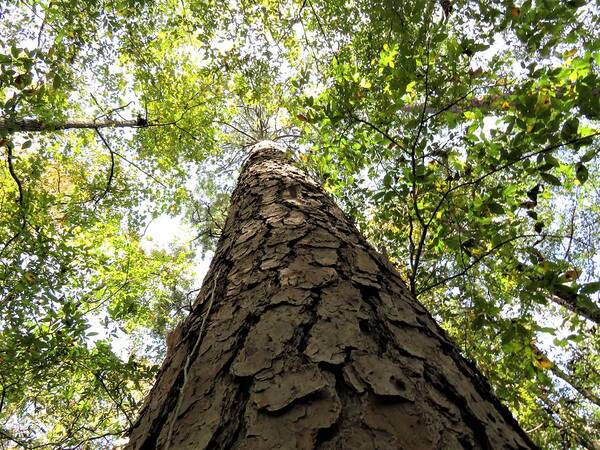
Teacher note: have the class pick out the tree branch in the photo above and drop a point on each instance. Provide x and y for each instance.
(505, 166)
(35, 125)
(473, 264)
(379, 130)
(572, 302)
(11, 170)
(110, 395)
(140, 169)
(448, 106)
(112, 166)
(423, 231)
(586, 393)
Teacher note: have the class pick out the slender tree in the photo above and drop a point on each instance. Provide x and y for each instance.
(303, 336)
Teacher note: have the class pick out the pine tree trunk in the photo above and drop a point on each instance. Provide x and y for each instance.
(312, 341)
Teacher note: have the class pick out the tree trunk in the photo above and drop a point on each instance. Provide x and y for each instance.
(312, 341)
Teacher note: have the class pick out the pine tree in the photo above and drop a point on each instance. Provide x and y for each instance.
(304, 337)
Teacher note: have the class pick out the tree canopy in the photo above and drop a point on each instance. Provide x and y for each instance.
(461, 136)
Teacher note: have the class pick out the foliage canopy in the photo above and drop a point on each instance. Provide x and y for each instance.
(462, 136)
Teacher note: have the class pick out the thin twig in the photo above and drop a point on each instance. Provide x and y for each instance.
(14, 236)
(571, 233)
(236, 129)
(2, 397)
(112, 167)
(422, 120)
(537, 427)
(473, 264)
(379, 130)
(112, 111)
(449, 105)
(110, 395)
(140, 169)
(11, 170)
(423, 231)
(188, 361)
(505, 166)
(588, 394)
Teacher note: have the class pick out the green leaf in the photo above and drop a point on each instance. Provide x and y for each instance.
(590, 288)
(550, 178)
(569, 129)
(589, 155)
(387, 180)
(551, 160)
(549, 330)
(496, 208)
(581, 172)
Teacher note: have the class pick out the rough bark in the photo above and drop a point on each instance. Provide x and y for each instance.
(313, 341)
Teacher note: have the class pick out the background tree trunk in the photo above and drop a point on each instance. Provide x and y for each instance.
(312, 340)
